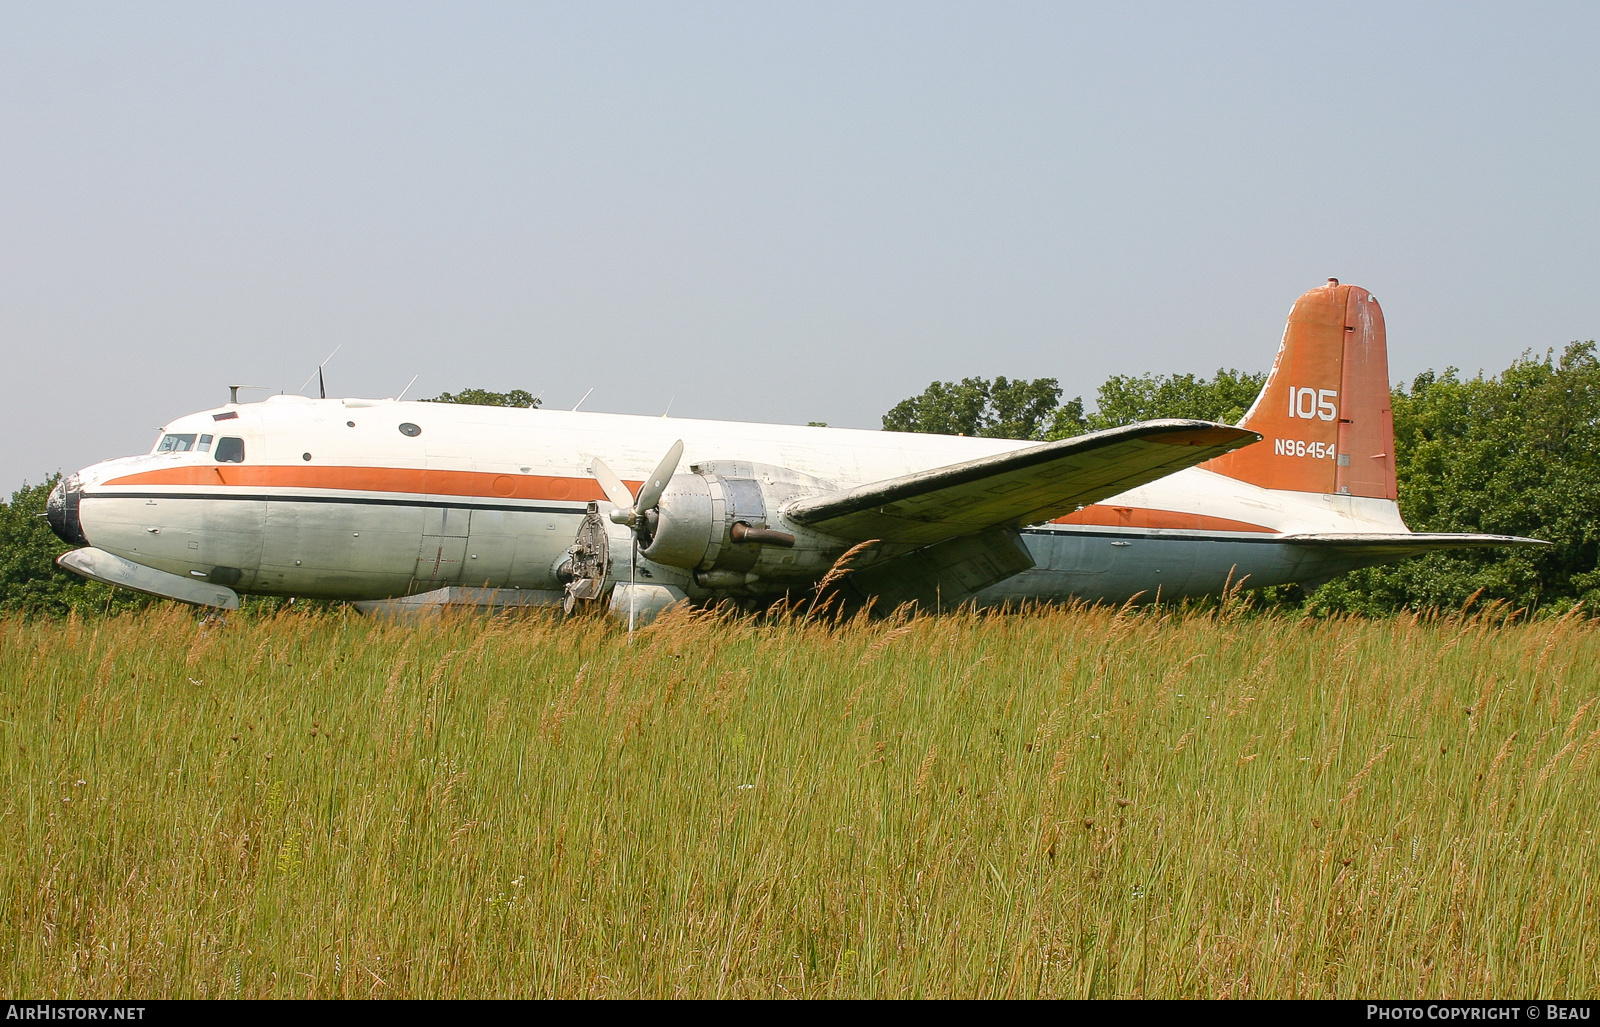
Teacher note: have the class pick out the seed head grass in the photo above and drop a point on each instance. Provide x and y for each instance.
(1056, 803)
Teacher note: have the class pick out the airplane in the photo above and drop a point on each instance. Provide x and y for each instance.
(367, 500)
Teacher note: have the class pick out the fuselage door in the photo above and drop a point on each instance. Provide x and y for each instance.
(444, 547)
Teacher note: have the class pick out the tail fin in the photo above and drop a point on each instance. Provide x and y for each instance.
(1324, 413)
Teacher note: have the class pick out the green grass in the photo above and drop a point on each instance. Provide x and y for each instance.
(1063, 803)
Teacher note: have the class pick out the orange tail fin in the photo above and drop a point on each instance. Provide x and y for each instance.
(1324, 413)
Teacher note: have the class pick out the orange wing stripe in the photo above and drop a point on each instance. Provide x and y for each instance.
(376, 479)
(1139, 517)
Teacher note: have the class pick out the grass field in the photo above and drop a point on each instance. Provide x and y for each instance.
(1064, 803)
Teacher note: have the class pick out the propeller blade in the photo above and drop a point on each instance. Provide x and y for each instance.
(633, 585)
(656, 484)
(614, 489)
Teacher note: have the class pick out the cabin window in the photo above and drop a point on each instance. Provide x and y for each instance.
(230, 450)
(175, 443)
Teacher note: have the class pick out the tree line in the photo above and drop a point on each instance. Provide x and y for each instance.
(1515, 453)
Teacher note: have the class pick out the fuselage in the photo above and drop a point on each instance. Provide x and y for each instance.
(368, 499)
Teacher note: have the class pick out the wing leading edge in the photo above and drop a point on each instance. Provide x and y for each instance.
(1024, 486)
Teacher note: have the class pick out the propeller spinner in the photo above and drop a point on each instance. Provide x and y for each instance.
(631, 510)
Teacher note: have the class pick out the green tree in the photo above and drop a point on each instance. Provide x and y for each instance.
(1126, 399)
(485, 398)
(30, 581)
(1515, 454)
(1019, 408)
(1000, 408)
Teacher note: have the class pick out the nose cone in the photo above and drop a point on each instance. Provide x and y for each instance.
(62, 510)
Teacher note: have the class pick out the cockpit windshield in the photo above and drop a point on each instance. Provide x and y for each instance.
(183, 443)
(172, 443)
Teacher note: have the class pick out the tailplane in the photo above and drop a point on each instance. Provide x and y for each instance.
(1324, 414)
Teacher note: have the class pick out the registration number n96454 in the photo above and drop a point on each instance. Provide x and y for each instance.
(1300, 447)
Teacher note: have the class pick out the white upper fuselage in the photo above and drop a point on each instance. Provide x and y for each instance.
(333, 498)
(532, 443)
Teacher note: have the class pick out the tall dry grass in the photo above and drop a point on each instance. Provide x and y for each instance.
(1058, 803)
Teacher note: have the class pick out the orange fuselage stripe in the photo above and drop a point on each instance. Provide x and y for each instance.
(1139, 517)
(375, 479)
(536, 487)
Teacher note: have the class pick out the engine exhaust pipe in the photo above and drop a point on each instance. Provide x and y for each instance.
(742, 532)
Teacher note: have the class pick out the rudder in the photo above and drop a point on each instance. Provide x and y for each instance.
(1324, 414)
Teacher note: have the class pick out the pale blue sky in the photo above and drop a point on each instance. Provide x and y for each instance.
(783, 212)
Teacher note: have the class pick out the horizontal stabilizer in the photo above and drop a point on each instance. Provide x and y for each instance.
(1401, 544)
(1024, 486)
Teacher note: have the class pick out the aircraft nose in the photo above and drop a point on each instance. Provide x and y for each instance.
(61, 509)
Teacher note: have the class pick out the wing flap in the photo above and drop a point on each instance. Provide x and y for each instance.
(1024, 486)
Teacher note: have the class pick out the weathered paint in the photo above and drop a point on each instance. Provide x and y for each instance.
(1366, 422)
(1324, 413)
(369, 499)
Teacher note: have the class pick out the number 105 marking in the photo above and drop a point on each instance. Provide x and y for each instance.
(1309, 403)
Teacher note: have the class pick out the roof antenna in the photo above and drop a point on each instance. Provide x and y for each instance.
(318, 374)
(669, 405)
(407, 389)
(579, 403)
(233, 392)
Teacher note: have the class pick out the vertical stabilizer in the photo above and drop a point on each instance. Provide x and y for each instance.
(1324, 414)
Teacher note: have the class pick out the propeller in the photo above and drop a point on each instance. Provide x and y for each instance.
(631, 510)
(634, 510)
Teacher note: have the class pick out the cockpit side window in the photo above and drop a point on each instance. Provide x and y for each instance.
(230, 450)
(172, 443)
(204, 444)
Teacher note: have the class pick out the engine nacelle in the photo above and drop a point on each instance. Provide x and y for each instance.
(721, 521)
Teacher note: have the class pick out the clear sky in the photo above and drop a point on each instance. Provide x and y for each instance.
(763, 211)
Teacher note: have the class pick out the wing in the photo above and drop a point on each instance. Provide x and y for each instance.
(1025, 486)
(1400, 544)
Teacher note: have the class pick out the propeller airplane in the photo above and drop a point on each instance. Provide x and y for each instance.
(368, 500)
